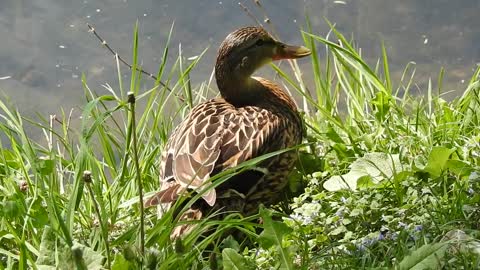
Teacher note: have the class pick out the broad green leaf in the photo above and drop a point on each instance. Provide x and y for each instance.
(273, 232)
(272, 235)
(458, 167)
(120, 263)
(343, 151)
(85, 257)
(78, 257)
(333, 135)
(346, 181)
(295, 181)
(39, 213)
(233, 261)
(45, 165)
(426, 257)
(47, 248)
(462, 242)
(366, 171)
(46, 267)
(365, 182)
(231, 243)
(10, 159)
(382, 105)
(309, 163)
(437, 159)
(378, 165)
(11, 209)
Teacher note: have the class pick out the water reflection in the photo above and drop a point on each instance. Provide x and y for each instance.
(45, 45)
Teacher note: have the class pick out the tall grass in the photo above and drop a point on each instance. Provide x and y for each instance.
(71, 199)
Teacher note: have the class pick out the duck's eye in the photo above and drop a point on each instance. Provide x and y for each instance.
(259, 42)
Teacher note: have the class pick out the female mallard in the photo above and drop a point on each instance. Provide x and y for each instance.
(253, 117)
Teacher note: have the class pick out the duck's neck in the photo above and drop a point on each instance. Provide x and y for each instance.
(236, 86)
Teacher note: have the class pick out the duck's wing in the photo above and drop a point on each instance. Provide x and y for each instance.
(249, 133)
(215, 136)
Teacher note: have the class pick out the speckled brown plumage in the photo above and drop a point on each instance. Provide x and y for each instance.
(253, 117)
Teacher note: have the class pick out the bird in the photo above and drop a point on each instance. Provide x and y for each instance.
(253, 116)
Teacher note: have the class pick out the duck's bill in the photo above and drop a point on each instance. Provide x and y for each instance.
(285, 51)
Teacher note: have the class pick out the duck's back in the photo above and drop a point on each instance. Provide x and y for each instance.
(217, 136)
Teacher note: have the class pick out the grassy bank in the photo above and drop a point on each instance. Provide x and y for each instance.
(384, 179)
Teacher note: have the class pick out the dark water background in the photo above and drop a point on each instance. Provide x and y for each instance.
(45, 45)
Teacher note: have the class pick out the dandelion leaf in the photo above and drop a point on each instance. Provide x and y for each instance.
(120, 263)
(461, 242)
(233, 261)
(273, 232)
(366, 171)
(46, 257)
(346, 181)
(76, 257)
(272, 235)
(459, 167)
(426, 257)
(437, 160)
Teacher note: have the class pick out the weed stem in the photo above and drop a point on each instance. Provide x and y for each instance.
(131, 101)
(87, 178)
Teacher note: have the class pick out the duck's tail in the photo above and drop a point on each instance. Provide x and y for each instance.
(186, 227)
(164, 199)
(167, 195)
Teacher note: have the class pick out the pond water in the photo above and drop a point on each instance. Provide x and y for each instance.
(46, 47)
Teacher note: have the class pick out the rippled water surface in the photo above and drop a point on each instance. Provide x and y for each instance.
(45, 45)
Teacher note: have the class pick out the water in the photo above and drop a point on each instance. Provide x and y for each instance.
(45, 45)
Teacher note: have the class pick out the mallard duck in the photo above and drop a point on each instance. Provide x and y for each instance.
(253, 116)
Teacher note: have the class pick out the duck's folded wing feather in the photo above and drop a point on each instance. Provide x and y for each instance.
(248, 134)
(215, 136)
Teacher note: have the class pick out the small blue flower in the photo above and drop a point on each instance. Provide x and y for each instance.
(383, 233)
(402, 225)
(394, 236)
(368, 241)
(361, 247)
(384, 229)
(418, 228)
(473, 176)
(346, 251)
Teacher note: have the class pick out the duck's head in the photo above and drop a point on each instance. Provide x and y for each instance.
(245, 50)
